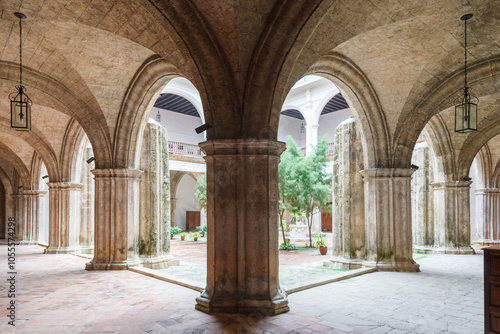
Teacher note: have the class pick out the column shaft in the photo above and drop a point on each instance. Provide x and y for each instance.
(488, 214)
(348, 219)
(388, 219)
(64, 217)
(30, 225)
(242, 239)
(116, 219)
(452, 219)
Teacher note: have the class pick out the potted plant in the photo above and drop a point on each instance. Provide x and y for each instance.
(194, 235)
(174, 230)
(183, 235)
(202, 230)
(321, 243)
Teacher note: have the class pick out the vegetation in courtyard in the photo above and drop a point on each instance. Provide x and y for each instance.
(174, 230)
(288, 246)
(320, 241)
(303, 183)
(202, 230)
(183, 235)
(201, 192)
(194, 236)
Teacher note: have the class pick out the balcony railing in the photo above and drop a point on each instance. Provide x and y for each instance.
(184, 149)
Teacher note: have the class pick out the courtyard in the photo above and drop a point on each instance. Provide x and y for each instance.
(56, 295)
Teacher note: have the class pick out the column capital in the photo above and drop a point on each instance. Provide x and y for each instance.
(228, 147)
(33, 192)
(487, 191)
(451, 184)
(386, 173)
(64, 185)
(117, 173)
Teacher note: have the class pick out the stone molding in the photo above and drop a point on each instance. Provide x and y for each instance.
(33, 192)
(450, 184)
(387, 173)
(237, 147)
(117, 173)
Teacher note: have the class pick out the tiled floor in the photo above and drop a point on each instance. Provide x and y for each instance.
(57, 296)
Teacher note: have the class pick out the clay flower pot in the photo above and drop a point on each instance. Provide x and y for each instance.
(323, 250)
(195, 238)
(182, 238)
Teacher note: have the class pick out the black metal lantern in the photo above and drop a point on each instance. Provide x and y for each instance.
(466, 109)
(20, 103)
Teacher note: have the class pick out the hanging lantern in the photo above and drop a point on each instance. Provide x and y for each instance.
(158, 117)
(466, 109)
(20, 103)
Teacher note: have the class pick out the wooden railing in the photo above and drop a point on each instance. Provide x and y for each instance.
(184, 149)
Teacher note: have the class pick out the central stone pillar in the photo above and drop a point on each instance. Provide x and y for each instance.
(348, 219)
(388, 219)
(242, 219)
(64, 217)
(452, 217)
(19, 214)
(488, 213)
(116, 219)
(32, 206)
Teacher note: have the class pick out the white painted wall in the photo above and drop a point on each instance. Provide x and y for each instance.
(329, 122)
(291, 126)
(179, 127)
(476, 225)
(185, 200)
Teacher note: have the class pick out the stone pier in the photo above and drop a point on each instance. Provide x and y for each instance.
(348, 218)
(64, 217)
(452, 219)
(154, 226)
(242, 245)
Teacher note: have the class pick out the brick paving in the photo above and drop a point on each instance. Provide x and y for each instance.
(56, 295)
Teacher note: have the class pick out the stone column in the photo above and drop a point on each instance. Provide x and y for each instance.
(173, 205)
(64, 217)
(488, 215)
(452, 217)
(30, 225)
(154, 226)
(242, 239)
(116, 219)
(422, 218)
(388, 219)
(19, 214)
(86, 238)
(348, 218)
(311, 137)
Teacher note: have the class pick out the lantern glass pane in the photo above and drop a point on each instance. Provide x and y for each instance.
(460, 122)
(17, 109)
(473, 116)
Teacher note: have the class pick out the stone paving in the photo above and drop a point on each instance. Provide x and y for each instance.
(56, 295)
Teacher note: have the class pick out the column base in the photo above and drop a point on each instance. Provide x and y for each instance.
(444, 250)
(86, 250)
(25, 242)
(60, 250)
(278, 305)
(159, 262)
(406, 266)
(118, 265)
(342, 263)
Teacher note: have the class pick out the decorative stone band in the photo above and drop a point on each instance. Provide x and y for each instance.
(486, 191)
(34, 192)
(65, 185)
(118, 173)
(450, 184)
(387, 173)
(236, 147)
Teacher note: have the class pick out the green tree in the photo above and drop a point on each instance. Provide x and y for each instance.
(287, 182)
(201, 192)
(313, 184)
